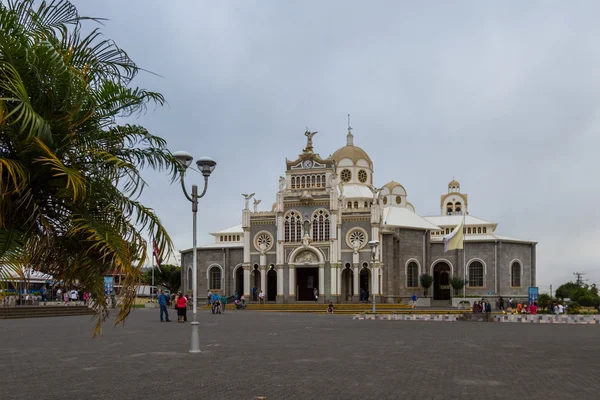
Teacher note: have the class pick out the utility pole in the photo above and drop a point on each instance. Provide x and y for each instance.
(579, 276)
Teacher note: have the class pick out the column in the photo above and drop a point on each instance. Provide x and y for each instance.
(356, 281)
(334, 280)
(375, 273)
(322, 281)
(263, 280)
(292, 271)
(247, 282)
(279, 283)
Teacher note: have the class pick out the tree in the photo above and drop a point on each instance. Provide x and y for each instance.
(168, 276)
(566, 290)
(457, 284)
(69, 173)
(426, 282)
(544, 300)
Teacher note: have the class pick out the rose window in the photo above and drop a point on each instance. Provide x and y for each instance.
(357, 237)
(362, 176)
(346, 175)
(263, 241)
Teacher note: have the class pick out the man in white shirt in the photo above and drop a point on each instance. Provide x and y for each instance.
(59, 294)
(561, 309)
(73, 295)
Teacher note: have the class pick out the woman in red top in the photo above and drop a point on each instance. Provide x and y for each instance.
(181, 308)
(533, 308)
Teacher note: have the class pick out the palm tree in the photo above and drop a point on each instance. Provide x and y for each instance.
(69, 173)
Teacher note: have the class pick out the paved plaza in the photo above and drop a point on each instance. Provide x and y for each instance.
(249, 355)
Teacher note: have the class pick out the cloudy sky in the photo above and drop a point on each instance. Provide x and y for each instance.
(504, 96)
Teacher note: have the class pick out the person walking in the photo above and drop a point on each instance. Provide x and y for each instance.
(261, 297)
(413, 299)
(208, 297)
(316, 294)
(58, 294)
(162, 302)
(181, 308)
(43, 293)
(223, 301)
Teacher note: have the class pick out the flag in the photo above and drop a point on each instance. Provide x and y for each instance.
(155, 253)
(454, 240)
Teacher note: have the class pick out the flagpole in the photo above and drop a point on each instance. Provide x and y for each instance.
(152, 288)
(464, 260)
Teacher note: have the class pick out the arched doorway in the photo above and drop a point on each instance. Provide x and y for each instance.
(307, 273)
(239, 281)
(441, 281)
(255, 281)
(272, 284)
(347, 283)
(365, 279)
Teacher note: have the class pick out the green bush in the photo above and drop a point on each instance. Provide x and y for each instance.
(574, 308)
(426, 282)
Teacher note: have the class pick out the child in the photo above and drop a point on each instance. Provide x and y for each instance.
(330, 308)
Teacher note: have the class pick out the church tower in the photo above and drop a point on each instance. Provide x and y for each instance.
(454, 202)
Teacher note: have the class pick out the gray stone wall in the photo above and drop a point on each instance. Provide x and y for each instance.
(226, 258)
(523, 252)
(410, 246)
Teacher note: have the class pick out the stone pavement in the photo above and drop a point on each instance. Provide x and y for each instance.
(249, 355)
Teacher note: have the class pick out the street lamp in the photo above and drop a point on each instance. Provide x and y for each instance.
(206, 166)
(373, 244)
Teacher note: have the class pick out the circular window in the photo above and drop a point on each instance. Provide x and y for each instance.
(385, 200)
(362, 176)
(398, 199)
(346, 175)
(356, 238)
(263, 241)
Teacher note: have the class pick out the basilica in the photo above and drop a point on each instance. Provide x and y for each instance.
(332, 229)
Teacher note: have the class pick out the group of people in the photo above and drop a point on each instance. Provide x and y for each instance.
(179, 300)
(66, 295)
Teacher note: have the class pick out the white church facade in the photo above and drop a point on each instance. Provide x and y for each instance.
(316, 235)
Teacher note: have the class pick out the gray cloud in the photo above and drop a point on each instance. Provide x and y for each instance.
(503, 96)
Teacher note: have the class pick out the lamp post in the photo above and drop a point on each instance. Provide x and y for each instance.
(373, 244)
(206, 166)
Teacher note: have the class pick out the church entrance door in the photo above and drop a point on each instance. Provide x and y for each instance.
(441, 281)
(307, 279)
(239, 281)
(347, 284)
(365, 280)
(272, 285)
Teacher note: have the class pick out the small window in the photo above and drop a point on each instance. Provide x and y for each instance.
(366, 205)
(476, 274)
(385, 200)
(469, 231)
(412, 272)
(356, 204)
(398, 200)
(215, 278)
(349, 204)
(515, 274)
(484, 230)
(478, 230)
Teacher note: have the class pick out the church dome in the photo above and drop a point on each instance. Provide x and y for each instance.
(392, 184)
(352, 152)
(453, 183)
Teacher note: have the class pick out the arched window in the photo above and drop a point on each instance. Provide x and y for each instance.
(479, 230)
(293, 182)
(484, 230)
(366, 205)
(412, 275)
(447, 231)
(469, 231)
(313, 180)
(457, 207)
(318, 180)
(320, 226)
(293, 227)
(449, 208)
(356, 204)
(476, 274)
(515, 274)
(349, 204)
(214, 274)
